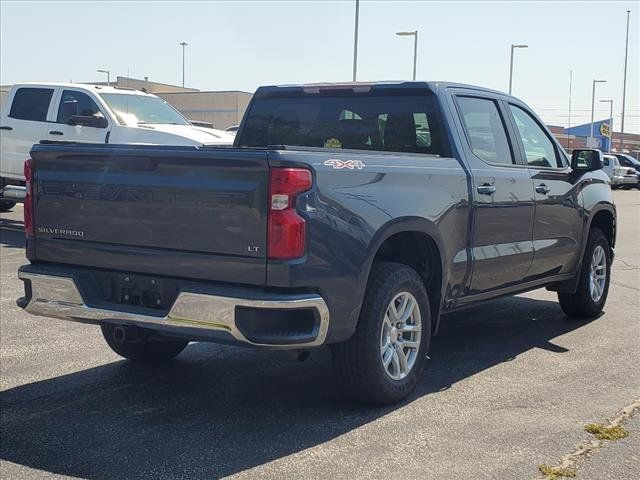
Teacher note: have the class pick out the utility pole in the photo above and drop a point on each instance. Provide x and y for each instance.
(624, 85)
(593, 104)
(355, 41)
(415, 48)
(108, 76)
(183, 44)
(415, 54)
(569, 121)
(513, 47)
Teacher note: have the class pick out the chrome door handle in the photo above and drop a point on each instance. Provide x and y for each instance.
(543, 189)
(486, 189)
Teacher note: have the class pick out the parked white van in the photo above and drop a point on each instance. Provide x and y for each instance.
(89, 114)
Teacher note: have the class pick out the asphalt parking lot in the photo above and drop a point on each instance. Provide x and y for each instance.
(510, 386)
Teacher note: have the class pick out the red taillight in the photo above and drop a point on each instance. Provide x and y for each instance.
(287, 230)
(28, 199)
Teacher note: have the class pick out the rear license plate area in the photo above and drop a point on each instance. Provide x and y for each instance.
(138, 290)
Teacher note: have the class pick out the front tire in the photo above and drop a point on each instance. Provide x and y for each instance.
(143, 347)
(382, 362)
(6, 205)
(593, 283)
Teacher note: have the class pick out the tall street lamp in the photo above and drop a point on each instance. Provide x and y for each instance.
(183, 44)
(355, 41)
(624, 85)
(593, 103)
(415, 47)
(610, 102)
(108, 76)
(513, 47)
(569, 119)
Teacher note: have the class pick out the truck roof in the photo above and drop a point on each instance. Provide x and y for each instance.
(83, 86)
(433, 86)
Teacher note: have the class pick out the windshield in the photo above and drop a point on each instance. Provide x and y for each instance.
(135, 110)
(630, 160)
(395, 123)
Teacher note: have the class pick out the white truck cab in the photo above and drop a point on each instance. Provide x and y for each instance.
(620, 176)
(90, 114)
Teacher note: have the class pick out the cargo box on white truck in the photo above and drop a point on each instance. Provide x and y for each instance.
(84, 113)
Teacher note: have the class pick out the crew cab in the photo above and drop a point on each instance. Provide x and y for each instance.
(90, 114)
(351, 215)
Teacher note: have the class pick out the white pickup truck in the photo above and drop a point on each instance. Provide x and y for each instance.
(90, 114)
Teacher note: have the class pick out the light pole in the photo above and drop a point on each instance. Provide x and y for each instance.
(415, 47)
(610, 102)
(624, 85)
(513, 47)
(183, 44)
(355, 41)
(593, 104)
(108, 76)
(569, 120)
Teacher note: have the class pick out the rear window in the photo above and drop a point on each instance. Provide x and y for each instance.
(362, 122)
(31, 104)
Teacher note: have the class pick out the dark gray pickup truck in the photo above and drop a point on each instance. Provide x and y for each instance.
(350, 215)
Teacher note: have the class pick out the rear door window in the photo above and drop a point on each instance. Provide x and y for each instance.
(395, 123)
(76, 103)
(485, 129)
(31, 104)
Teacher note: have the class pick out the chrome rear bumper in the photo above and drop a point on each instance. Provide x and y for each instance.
(194, 312)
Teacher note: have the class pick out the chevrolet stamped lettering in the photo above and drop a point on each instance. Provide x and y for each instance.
(156, 195)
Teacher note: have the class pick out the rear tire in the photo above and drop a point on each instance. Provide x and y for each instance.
(394, 328)
(6, 205)
(144, 348)
(591, 294)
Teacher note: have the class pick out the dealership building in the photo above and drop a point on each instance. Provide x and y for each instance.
(224, 108)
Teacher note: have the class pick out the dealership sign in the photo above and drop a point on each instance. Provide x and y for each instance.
(605, 130)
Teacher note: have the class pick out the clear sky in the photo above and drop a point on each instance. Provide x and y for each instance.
(241, 45)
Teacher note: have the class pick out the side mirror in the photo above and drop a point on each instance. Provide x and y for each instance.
(69, 109)
(88, 121)
(586, 159)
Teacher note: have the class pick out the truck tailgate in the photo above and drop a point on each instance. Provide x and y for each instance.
(159, 202)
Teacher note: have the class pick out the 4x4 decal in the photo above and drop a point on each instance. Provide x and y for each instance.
(340, 164)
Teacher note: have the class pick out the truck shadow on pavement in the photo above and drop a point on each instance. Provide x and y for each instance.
(219, 410)
(11, 233)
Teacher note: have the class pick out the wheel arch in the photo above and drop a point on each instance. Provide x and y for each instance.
(602, 216)
(394, 241)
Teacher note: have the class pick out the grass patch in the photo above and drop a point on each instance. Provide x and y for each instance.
(606, 433)
(554, 473)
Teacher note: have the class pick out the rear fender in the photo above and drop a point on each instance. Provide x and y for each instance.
(400, 225)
